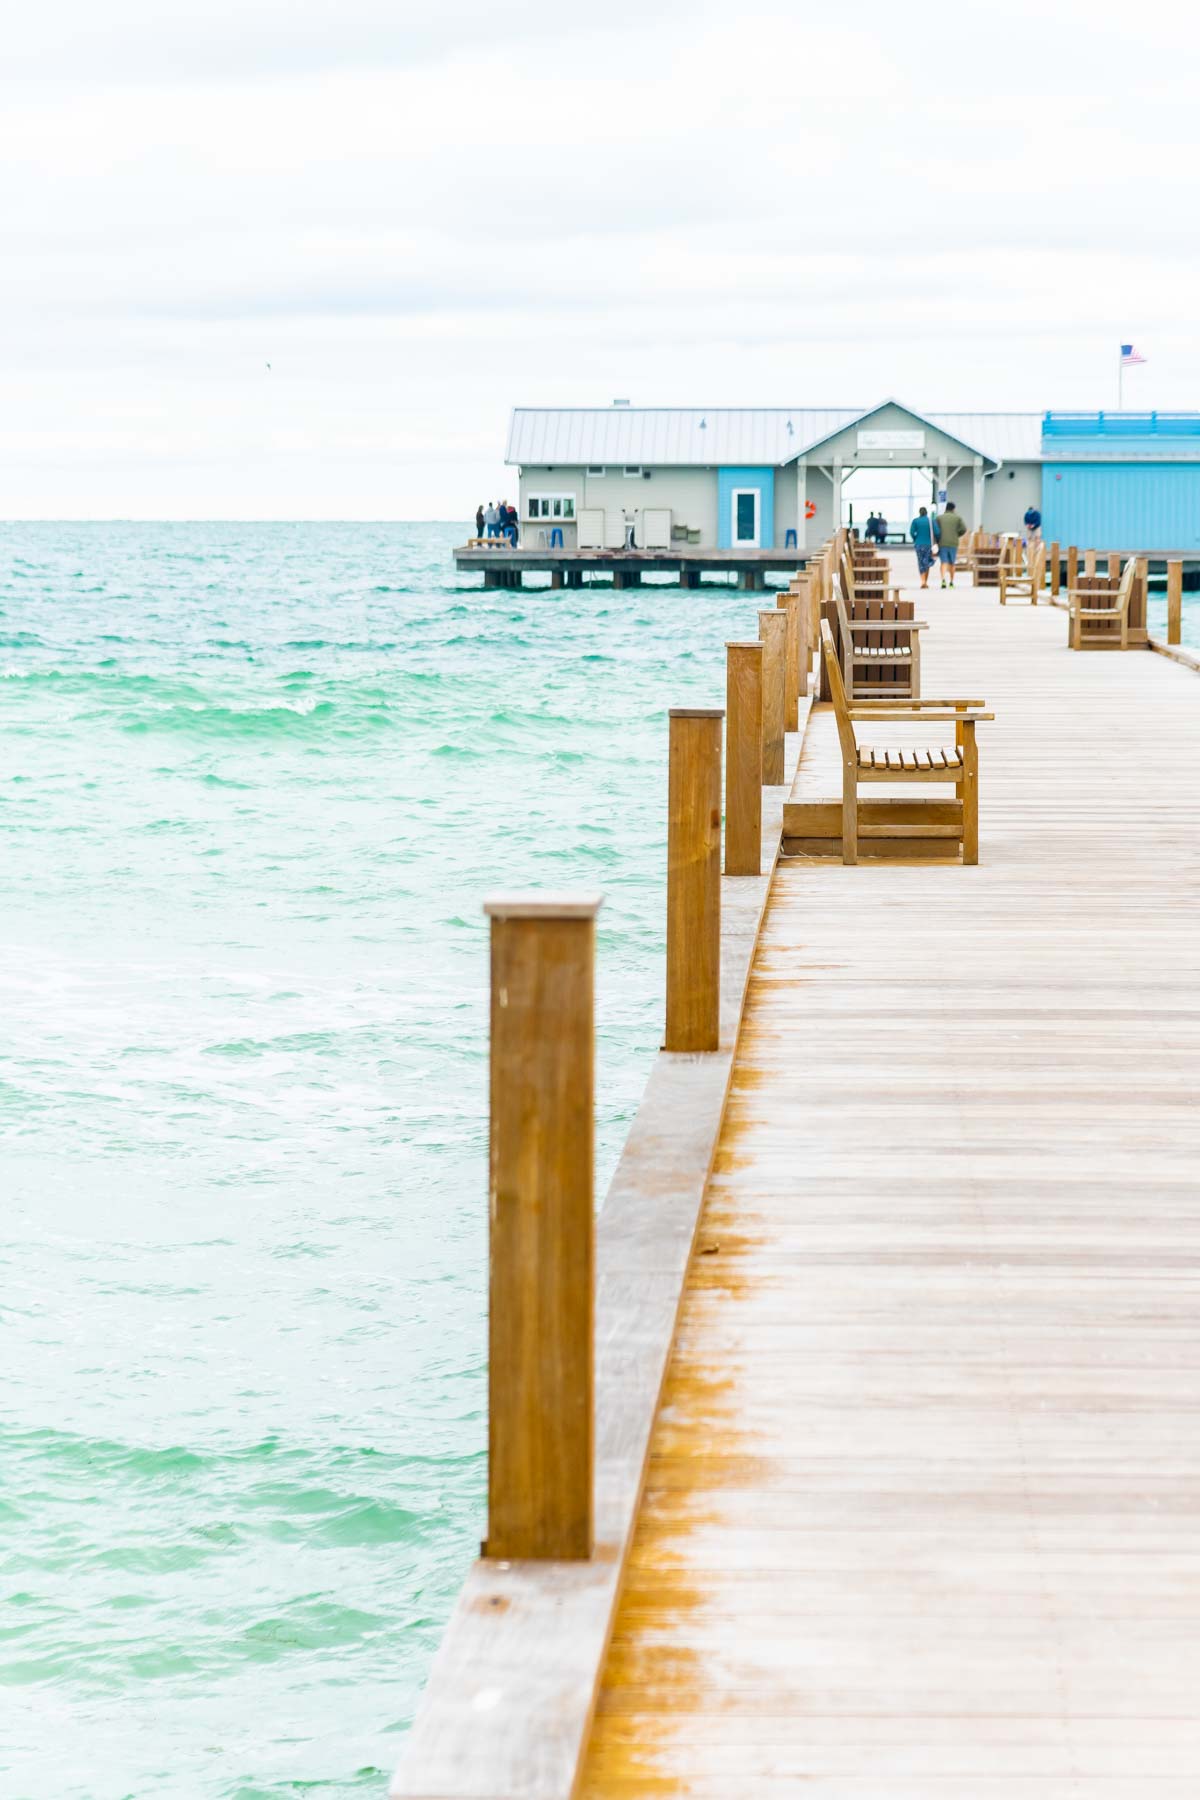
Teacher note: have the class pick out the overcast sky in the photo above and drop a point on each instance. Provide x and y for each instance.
(422, 216)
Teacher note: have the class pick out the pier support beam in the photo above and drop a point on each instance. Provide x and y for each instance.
(750, 580)
(743, 759)
(694, 880)
(1174, 602)
(772, 632)
(556, 578)
(540, 1433)
(689, 578)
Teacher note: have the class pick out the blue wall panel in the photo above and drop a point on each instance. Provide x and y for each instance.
(1122, 506)
(764, 481)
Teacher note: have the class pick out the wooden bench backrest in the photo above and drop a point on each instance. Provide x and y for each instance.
(837, 692)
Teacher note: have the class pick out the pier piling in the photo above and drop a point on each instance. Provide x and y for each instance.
(772, 631)
(1174, 602)
(694, 879)
(743, 758)
(540, 1430)
(789, 605)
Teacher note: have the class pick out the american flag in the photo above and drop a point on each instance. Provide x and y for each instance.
(1130, 355)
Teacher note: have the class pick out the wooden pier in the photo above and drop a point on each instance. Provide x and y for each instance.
(503, 566)
(897, 1404)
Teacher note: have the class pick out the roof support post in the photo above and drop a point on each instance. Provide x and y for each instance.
(977, 493)
(801, 501)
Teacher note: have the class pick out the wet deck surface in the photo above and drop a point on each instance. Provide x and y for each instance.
(923, 1508)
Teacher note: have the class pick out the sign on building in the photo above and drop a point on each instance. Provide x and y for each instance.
(891, 440)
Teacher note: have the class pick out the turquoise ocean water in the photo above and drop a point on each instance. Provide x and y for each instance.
(256, 782)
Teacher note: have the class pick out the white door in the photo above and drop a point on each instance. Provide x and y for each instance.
(591, 527)
(614, 528)
(745, 511)
(656, 528)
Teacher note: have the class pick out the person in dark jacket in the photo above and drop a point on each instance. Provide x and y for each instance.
(479, 521)
(1033, 525)
(881, 531)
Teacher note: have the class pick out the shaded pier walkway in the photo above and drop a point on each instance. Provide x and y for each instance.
(922, 1515)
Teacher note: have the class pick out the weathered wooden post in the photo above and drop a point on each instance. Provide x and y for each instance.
(1055, 572)
(789, 605)
(1175, 602)
(1089, 562)
(540, 1444)
(772, 631)
(1072, 568)
(1114, 566)
(743, 758)
(694, 879)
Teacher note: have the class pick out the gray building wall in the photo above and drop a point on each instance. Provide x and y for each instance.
(690, 495)
(1007, 494)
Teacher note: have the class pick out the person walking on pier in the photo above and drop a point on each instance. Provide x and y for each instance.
(951, 529)
(921, 531)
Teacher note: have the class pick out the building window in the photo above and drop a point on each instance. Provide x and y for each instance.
(633, 471)
(551, 506)
(595, 469)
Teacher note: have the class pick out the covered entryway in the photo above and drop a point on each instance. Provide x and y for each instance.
(889, 438)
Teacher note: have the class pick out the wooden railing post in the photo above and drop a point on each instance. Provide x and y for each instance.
(1055, 572)
(1175, 602)
(1114, 566)
(743, 759)
(694, 879)
(789, 606)
(772, 631)
(540, 1434)
(1072, 567)
(1089, 562)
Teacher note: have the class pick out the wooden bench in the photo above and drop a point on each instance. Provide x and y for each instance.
(1016, 584)
(1100, 613)
(900, 826)
(891, 653)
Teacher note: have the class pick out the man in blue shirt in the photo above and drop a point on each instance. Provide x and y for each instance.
(1033, 525)
(924, 533)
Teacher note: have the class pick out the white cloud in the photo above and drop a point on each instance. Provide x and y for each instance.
(421, 217)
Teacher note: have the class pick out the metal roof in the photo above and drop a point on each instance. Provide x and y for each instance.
(726, 436)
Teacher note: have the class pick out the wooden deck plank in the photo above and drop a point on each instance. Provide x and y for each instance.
(922, 1513)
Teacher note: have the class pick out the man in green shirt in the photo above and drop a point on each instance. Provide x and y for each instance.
(953, 530)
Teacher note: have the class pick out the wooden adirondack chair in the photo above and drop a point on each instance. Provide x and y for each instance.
(862, 660)
(957, 763)
(1015, 585)
(1094, 612)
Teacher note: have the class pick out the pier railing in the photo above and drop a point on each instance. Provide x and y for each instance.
(582, 1317)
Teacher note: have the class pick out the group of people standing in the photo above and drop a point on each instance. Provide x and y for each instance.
(877, 529)
(497, 520)
(937, 534)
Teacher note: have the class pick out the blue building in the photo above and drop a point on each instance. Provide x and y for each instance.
(1122, 481)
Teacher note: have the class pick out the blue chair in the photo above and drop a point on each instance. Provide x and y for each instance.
(790, 540)
(556, 537)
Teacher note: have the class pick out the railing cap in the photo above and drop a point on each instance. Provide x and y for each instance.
(543, 906)
(744, 644)
(697, 712)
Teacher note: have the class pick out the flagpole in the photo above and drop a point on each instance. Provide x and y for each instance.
(1120, 381)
